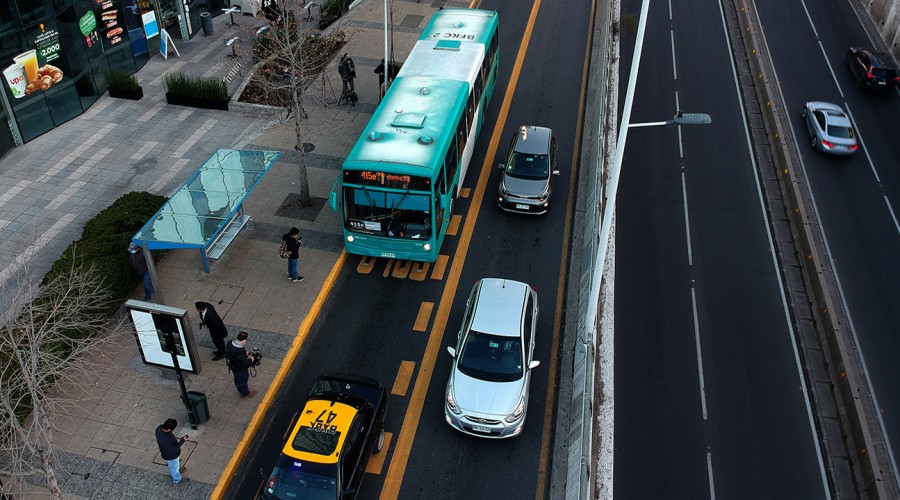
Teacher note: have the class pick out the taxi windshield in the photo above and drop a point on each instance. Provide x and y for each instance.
(296, 479)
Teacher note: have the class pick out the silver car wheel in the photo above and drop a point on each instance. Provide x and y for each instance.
(380, 443)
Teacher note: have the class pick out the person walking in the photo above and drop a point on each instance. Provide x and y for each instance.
(379, 70)
(170, 450)
(139, 264)
(292, 240)
(347, 70)
(240, 361)
(213, 322)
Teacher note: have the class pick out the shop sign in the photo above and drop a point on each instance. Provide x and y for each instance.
(87, 23)
(151, 27)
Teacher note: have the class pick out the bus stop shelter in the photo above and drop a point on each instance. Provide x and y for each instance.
(207, 213)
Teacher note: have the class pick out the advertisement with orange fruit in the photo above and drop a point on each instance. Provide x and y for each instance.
(31, 70)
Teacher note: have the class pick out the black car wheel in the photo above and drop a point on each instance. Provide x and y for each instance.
(815, 142)
(859, 82)
(380, 443)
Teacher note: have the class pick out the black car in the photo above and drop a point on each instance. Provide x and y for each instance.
(339, 426)
(872, 70)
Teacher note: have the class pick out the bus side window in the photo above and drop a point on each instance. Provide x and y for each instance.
(442, 183)
(450, 161)
(462, 133)
(479, 84)
(470, 113)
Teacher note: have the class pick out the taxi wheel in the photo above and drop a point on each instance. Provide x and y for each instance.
(380, 443)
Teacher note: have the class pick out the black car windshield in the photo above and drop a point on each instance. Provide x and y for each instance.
(298, 479)
(491, 357)
(528, 166)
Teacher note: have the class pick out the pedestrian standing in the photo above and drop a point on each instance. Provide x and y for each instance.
(217, 330)
(170, 450)
(347, 70)
(139, 264)
(379, 70)
(239, 362)
(292, 241)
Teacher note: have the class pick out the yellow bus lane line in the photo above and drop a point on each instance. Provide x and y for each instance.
(302, 332)
(400, 456)
(550, 405)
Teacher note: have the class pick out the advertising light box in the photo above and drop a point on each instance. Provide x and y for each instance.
(152, 322)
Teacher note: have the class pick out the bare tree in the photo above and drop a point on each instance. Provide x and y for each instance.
(57, 340)
(292, 56)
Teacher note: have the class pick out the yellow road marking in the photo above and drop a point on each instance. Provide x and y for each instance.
(401, 269)
(440, 265)
(286, 364)
(419, 271)
(423, 317)
(365, 265)
(453, 227)
(550, 405)
(400, 457)
(404, 376)
(464, 192)
(376, 461)
(387, 268)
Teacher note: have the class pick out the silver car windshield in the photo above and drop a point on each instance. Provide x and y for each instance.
(528, 166)
(491, 357)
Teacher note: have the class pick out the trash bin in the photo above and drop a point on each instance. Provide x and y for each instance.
(206, 19)
(198, 403)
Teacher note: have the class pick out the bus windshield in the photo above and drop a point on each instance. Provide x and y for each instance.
(384, 213)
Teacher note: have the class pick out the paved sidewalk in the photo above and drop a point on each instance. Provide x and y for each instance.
(52, 185)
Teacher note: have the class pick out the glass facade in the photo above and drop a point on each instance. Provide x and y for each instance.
(53, 54)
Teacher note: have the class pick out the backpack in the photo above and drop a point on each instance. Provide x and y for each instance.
(283, 251)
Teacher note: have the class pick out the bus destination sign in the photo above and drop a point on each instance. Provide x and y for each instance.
(387, 179)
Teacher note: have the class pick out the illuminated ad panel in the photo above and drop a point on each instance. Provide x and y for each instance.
(151, 324)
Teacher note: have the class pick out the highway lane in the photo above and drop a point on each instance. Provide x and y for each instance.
(709, 399)
(857, 199)
(366, 324)
(524, 248)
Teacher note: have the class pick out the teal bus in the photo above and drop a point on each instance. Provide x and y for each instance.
(397, 186)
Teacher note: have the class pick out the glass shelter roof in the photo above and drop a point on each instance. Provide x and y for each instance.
(204, 205)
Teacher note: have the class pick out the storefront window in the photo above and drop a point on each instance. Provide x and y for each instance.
(9, 18)
(53, 68)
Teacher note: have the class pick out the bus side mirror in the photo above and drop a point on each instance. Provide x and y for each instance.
(332, 201)
(501, 166)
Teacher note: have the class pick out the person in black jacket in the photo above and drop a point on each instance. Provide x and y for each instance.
(170, 450)
(217, 330)
(240, 361)
(139, 264)
(292, 243)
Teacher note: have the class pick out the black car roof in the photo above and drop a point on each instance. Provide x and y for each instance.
(354, 390)
(879, 59)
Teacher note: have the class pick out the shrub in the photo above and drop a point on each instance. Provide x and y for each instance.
(104, 241)
(182, 85)
(120, 80)
(332, 11)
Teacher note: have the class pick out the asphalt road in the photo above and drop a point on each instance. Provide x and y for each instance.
(857, 199)
(709, 395)
(367, 324)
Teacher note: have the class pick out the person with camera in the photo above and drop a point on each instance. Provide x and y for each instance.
(239, 362)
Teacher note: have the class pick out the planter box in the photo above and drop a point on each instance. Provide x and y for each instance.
(196, 103)
(134, 95)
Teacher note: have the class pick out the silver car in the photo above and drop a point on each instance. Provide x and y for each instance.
(527, 181)
(487, 393)
(829, 128)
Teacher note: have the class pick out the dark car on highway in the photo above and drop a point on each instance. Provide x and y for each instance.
(339, 426)
(528, 172)
(872, 70)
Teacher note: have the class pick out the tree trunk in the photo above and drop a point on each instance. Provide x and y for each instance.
(305, 199)
(45, 443)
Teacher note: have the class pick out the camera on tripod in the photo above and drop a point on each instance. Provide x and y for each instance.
(257, 357)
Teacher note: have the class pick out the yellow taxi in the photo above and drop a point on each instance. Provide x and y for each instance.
(338, 428)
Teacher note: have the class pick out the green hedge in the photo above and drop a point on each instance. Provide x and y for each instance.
(104, 242)
(120, 80)
(198, 87)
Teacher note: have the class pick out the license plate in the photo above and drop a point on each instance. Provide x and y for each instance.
(389, 255)
(478, 428)
(520, 206)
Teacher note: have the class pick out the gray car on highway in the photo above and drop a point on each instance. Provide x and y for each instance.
(487, 394)
(829, 128)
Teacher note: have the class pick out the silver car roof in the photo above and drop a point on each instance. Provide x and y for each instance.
(499, 307)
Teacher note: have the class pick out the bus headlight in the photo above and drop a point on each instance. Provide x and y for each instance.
(427, 247)
(350, 238)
